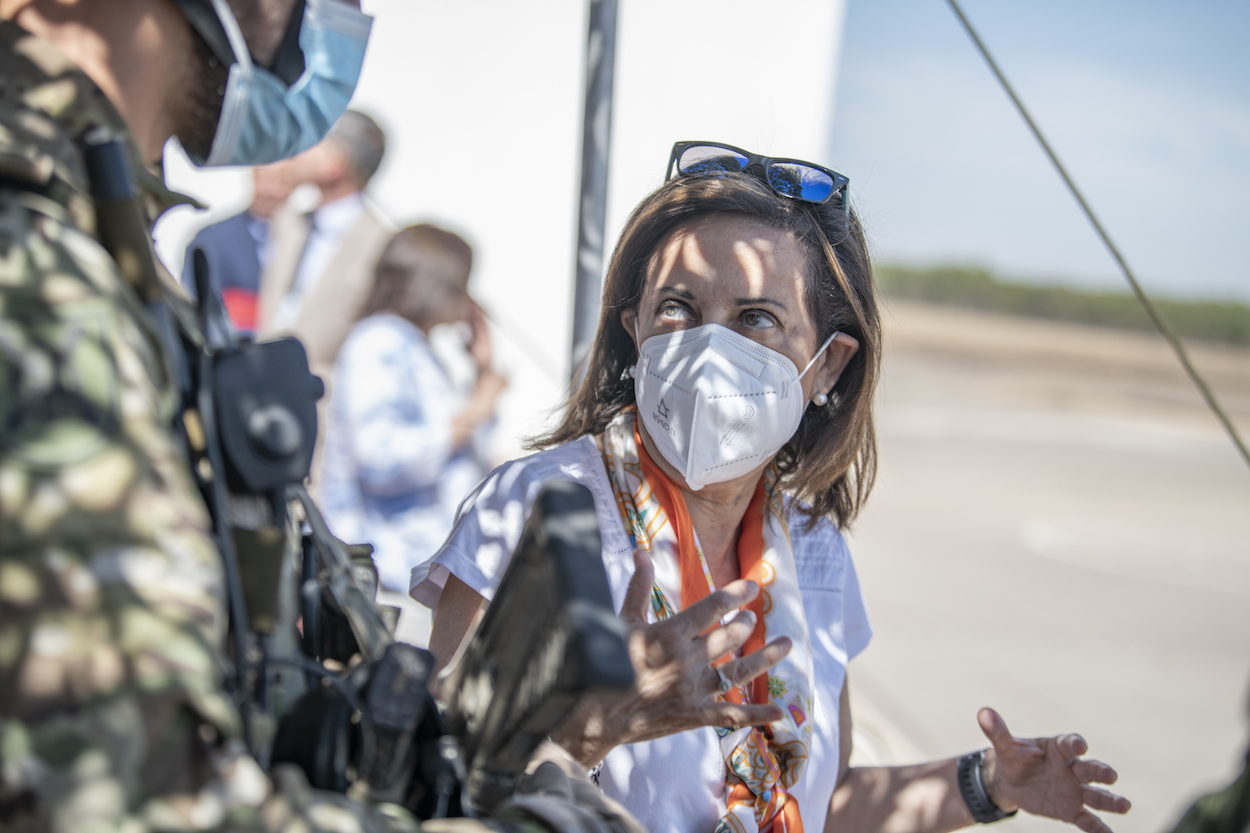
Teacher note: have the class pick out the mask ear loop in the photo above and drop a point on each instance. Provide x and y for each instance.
(631, 370)
(820, 352)
(233, 33)
(237, 84)
(820, 398)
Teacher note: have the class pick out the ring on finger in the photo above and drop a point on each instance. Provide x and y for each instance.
(725, 683)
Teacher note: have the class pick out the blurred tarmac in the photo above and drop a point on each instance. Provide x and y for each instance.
(1060, 530)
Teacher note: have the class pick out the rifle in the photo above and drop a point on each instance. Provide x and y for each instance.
(248, 424)
(550, 638)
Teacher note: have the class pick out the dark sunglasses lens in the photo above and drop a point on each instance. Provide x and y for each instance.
(709, 159)
(802, 182)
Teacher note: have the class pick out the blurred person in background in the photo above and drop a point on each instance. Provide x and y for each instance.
(237, 248)
(321, 263)
(404, 442)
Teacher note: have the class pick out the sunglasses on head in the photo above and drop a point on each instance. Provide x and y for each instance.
(793, 179)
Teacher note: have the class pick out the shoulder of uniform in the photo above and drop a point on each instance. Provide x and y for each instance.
(45, 96)
(48, 105)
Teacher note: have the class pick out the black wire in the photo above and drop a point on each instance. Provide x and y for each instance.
(1151, 310)
(367, 730)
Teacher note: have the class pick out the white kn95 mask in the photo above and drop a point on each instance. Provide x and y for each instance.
(716, 403)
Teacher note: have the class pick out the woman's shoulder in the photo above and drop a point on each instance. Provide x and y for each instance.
(490, 520)
(576, 460)
(820, 550)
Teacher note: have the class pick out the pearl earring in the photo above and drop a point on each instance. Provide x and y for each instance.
(820, 400)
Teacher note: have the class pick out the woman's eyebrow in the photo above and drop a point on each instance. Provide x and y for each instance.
(748, 302)
(680, 293)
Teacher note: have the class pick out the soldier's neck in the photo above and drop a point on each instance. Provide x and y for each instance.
(135, 52)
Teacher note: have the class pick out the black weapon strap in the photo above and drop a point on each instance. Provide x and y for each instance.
(123, 233)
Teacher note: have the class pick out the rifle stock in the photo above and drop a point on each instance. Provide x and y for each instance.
(549, 638)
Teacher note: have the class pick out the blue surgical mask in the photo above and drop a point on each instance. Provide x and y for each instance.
(263, 120)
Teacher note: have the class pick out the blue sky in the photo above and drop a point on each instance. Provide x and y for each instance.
(1147, 103)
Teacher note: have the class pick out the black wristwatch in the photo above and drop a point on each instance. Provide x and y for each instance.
(976, 795)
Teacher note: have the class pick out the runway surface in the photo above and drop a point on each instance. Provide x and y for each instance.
(1060, 530)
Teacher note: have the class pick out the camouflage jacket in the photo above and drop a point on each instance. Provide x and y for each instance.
(112, 711)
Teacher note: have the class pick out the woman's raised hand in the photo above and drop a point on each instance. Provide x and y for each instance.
(1047, 776)
(479, 344)
(675, 687)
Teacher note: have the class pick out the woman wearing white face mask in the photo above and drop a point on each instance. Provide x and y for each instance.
(725, 429)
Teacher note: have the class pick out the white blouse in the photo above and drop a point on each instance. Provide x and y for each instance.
(674, 784)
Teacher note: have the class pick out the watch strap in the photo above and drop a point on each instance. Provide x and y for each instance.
(975, 794)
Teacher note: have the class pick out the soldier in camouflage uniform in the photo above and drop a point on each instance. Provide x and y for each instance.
(112, 712)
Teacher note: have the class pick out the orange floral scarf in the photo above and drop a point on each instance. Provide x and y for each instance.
(765, 761)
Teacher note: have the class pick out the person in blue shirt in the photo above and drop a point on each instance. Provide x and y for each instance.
(403, 440)
(237, 248)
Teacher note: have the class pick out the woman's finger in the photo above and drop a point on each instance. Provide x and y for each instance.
(994, 727)
(1094, 772)
(727, 715)
(731, 714)
(638, 594)
(1072, 746)
(1090, 823)
(754, 664)
(731, 637)
(1100, 799)
(709, 611)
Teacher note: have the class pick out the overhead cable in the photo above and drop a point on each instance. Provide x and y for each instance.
(1151, 310)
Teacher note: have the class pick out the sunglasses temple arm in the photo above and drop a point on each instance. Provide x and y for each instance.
(846, 208)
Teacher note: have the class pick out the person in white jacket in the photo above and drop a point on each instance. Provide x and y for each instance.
(403, 440)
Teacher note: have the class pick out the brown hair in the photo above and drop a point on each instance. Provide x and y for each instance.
(422, 271)
(831, 461)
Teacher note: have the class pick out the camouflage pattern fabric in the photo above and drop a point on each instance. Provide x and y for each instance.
(112, 711)
(1226, 811)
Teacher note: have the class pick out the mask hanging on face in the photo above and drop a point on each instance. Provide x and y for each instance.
(717, 404)
(264, 120)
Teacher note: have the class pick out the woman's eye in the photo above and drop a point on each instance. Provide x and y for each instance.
(674, 312)
(758, 320)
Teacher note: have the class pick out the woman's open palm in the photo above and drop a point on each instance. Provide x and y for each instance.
(675, 687)
(1047, 776)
